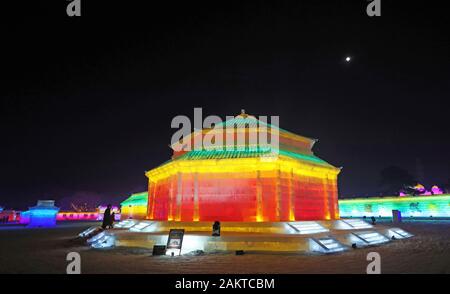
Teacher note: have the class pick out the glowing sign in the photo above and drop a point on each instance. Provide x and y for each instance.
(175, 242)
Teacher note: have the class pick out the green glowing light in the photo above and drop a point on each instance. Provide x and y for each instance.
(138, 199)
(418, 206)
(249, 152)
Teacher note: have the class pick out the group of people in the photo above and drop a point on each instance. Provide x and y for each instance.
(108, 218)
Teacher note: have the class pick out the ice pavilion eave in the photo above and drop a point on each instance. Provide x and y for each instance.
(219, 165)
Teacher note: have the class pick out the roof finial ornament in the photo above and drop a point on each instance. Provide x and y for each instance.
(243, 114)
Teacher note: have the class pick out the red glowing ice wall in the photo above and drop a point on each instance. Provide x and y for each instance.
(266, 195)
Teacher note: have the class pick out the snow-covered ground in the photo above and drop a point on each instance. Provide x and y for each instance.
(44, 251)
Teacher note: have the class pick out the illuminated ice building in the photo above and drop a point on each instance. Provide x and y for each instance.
(250, 182)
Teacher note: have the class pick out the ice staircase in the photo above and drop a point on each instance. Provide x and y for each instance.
(368, 238)
(326, 245)
(143, 226)
(356, 224)
(398, 233)
(307, 227)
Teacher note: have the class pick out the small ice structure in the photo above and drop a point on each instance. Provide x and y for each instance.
(43, 214)
(89, 232)
(436, 190)
(102, 240)
(420, 189)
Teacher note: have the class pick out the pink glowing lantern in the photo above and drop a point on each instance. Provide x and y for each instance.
(436, 190)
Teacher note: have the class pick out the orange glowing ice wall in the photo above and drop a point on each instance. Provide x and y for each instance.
(250, 185)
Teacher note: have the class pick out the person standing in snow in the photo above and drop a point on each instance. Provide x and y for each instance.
(111, 223)
(107, 217)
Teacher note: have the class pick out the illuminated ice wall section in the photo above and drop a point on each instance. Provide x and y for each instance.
(76, 216)
(135, 206)
(415, 206)
(43, 214)
(24, 217)
(249, 183)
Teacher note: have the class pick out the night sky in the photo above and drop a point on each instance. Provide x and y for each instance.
(86, 103)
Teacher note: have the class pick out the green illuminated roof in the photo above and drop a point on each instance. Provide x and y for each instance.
(136, 199)
(224, 154)
(292, 145)
(251, 152)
